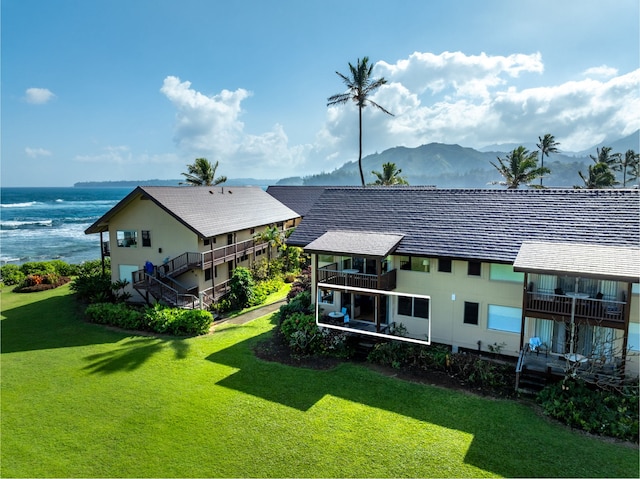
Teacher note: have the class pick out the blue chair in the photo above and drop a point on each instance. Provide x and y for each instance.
(346, 320)
(344, 310)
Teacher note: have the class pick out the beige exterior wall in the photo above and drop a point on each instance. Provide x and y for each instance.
(448, 292)
(169, 238)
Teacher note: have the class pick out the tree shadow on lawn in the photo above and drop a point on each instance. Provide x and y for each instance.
(498, 446)
(56, 322)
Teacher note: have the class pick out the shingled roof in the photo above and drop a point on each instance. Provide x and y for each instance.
(477, 224)
(299, 198)
(208, 211)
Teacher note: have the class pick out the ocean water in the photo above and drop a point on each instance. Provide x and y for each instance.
(41, 224)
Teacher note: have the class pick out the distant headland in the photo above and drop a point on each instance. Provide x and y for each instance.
(176, 182)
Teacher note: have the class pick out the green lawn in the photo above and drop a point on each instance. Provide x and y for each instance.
(81, 400)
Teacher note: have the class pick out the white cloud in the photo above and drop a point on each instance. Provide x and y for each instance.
(475, 101)
(36, 152)
(205, 124)
(38, 96)
(603, 71)
(113, 155)
(209, 126)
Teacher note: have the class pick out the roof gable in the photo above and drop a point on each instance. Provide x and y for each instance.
(208, 211)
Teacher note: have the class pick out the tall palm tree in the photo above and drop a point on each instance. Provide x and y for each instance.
(599, 176)
(520, 167)
(547, 145)
(629, 164)
(604, 155)
(390, 176)
(359, 86)
(202, 173)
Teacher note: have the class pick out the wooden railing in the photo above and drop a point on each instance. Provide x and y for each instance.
(585, 308)
(331, 275)
(179, 297)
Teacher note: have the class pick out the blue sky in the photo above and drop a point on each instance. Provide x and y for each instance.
(136, 89)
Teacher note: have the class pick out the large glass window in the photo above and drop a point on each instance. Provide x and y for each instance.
(633, 342)
(127, 238)
(505, 272)
(325, 296)
(504, 318)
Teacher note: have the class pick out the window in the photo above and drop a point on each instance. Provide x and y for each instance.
(207, 241)
(127, 238)
(325, 296)
(471, 312)
(505, 272)
(207, 274)
(146, 238)
(444, 265)
(633, 341)
(415, 263)
(125, 272)
(474, 268)
(504, 318)
(230, 238)
(416, 307)
(252, 231)
(325, 258)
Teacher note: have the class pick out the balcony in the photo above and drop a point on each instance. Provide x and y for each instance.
(587, 309)
(330, 274)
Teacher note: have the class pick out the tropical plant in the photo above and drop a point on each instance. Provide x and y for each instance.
(519, 167)
(390, 175)
(599, 176)
(548, 144)
(273, 237)
(629, 165)
(360, 86)
(604, 155)
(202, 173)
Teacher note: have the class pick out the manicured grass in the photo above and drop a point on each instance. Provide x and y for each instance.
(81, 400)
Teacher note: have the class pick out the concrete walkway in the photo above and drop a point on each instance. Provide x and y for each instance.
(251, 315)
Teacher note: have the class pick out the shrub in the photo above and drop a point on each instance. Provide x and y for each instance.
(299, 304)
(179, 322)
(241, 287)
(301, 333)
(40, 268)
(301, 284)
(159, 318)
(92, 285)
(11, 274)
(605, 412)
(115, 314)
(63, 268)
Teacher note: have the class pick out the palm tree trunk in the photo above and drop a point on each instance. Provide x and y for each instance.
(360, 146)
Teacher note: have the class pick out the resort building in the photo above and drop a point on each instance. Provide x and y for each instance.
(546, 276)
(182, 244)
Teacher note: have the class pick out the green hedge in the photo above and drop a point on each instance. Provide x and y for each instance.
(158, 319)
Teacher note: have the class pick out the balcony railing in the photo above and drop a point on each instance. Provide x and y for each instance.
(331, 275)
(585, 308)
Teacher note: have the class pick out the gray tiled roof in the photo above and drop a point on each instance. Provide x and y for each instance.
(487, 224)
(355, 243)
(622, 262)
(209, 211)
(299, 198)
